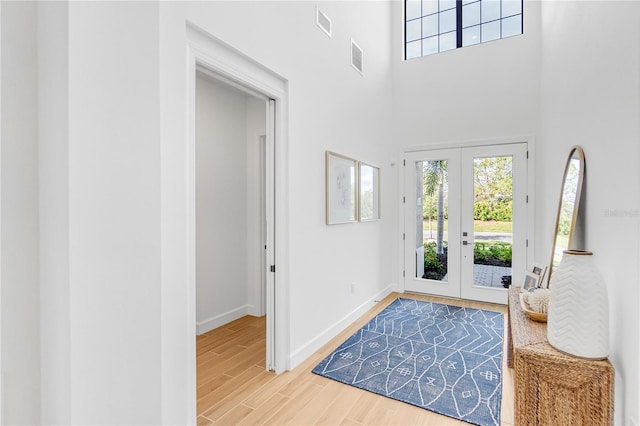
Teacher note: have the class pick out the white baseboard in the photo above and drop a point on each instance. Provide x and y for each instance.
(317, 342)
(396, 288)
(254, 310)
(222, 319)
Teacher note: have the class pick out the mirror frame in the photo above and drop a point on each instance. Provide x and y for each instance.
(576, 152)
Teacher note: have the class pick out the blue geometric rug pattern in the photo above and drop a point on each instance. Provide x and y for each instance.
(442, 358)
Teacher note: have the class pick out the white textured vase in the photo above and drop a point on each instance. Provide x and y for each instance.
(578, 319)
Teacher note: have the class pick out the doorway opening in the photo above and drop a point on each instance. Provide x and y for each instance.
(231, 197)
(234, 238)
(209, 55)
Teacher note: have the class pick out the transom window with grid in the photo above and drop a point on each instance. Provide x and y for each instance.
(433, 26)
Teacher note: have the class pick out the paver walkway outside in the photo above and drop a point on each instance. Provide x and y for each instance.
(487, 275)
(490, 276)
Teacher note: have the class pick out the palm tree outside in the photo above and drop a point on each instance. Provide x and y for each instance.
(434, 178)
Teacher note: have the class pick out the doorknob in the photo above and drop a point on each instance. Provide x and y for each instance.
(464, 242)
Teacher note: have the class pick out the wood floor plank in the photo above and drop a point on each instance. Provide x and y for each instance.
(206, 358)
(203, 421)
(234, 388)
(244, 338)
(297, 402)
(207, 392)
(235, 415)
(231, 365)
(337, 410)
(250, 357)
(219, 339)
(262, 413)
(274, 386)
(316, 407)
(361, 406)
(383, 413)
(234, 392)
(209, 342)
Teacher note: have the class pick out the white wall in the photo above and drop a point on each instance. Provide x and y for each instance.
(114, 194)
(53, 119)
(591, 97)
(227, 204)
(112, 334)
(20, 337)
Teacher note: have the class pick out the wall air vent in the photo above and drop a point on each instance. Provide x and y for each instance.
(323, 22)
(356, 56)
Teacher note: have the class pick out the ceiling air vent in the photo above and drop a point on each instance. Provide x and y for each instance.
(323, 22)
(356, 56)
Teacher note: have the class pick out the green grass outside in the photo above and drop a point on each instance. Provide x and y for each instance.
(479, 226)
(493, 226)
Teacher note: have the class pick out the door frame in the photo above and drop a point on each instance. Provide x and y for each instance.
(530, 206)
(207, 52)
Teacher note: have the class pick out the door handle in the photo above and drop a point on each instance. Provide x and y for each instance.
(464, 242)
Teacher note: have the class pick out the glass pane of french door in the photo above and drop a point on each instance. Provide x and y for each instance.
(494, 220)
(432, 219)
(432, 243)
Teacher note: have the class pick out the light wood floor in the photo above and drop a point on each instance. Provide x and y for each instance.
(234, 388)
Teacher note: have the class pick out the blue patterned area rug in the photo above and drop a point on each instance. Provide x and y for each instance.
(442, 358)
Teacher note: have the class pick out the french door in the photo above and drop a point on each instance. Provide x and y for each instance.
(466, 221)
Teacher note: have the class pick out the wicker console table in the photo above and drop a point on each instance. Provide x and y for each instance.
(553, 388)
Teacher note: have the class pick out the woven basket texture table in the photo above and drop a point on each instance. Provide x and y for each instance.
(551, 387)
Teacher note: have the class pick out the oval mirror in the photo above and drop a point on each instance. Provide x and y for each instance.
(566, 236)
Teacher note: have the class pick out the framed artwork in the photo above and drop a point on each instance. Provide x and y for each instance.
(341, 189)
(539, 270)
(530, 281)
(369, 184)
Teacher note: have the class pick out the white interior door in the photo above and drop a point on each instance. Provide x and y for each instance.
(269, 207)
(466, 220)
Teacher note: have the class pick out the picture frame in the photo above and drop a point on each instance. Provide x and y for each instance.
(530, 281)
(341, 187)
(540, 270)
(369, 192)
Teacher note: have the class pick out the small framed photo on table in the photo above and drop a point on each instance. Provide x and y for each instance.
(530, 281)
(539, 270)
